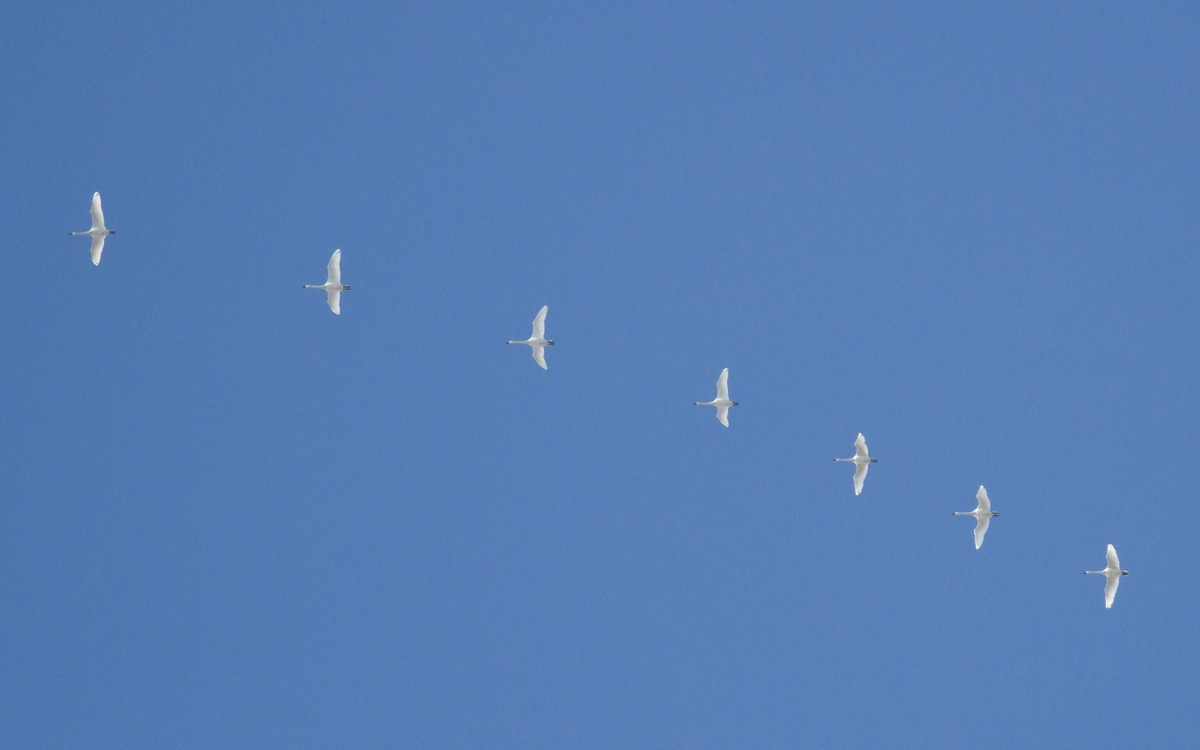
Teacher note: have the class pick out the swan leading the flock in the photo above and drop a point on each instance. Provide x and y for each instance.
(861, 461)
(1113, 572)
(983, 515)
(333, 285)
(538, 341)
(722, 401)
(98, 231)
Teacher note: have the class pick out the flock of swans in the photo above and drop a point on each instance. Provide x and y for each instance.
(538, 342)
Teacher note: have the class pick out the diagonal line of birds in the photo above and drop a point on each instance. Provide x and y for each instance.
(538, 342)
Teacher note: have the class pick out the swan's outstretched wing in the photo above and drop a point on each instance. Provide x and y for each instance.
(1113, 562)
(723, 387)
(1110, 589)
(97, 247)
(97, 216)
(984, 504)
(539, 354)
(334, 298)
(723, 415)
(539, 327)
(860, 447)
(860, 473)
(981, 527)
(335, 271)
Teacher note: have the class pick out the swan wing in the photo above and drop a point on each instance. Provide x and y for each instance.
(539, 356)
(539, 325)
(1113, 562)
(984, 504)
(860, 447)
(335, 269)
(97, 247)
(723, 386)
(1110, 590)
(334, 298)
(981, 527)
(97, 212)
(860, 474)
(723, 415)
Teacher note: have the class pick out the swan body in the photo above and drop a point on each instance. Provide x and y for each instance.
(1113, 572)
(722, 401)
(537, 341)
(98, 231)
(983, 515)
(333, 285)
(861, 461)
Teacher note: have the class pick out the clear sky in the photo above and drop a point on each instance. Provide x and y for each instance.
(232, 519)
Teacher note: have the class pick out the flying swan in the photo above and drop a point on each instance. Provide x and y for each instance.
(97, 232)
(722, 401)
(1114, 573)
(333, 286)
(538, 341)
(983, 515)
(861, 461)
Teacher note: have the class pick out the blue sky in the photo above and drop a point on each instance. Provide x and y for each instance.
(233, 519)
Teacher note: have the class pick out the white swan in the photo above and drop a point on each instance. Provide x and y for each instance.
(333, 285)
(722, 401)
(1113, 572)
(97, 232)
(983, 515)
(861, 461)
(538, 341)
